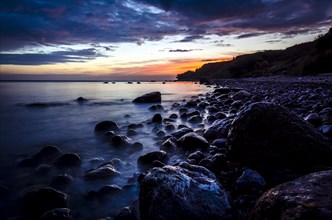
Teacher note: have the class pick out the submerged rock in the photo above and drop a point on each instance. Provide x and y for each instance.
(46, 154)
(107, 126)
(148, 98)
(37, 202)
(309, 197)
(182, 192)
(269, 135)
(156, 108)
(68, 160)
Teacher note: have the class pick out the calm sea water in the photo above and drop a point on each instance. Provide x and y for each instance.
(69, 125)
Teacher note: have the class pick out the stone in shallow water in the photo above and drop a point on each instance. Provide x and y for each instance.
(148, 158)
(182, 192)
(191, 141)
(107, 126)
(68, 160)
(104, 171)
(309, 197)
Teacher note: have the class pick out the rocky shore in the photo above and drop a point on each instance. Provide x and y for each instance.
(246, 150)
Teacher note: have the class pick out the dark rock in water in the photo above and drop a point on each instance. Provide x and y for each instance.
(131, 132)
(126, 213)
(222, 90)
(182, 192)
(184, 116)
(68, 160)
(219, 162)
(102, 193)
(220, 115)
(148, 158)
(57, 214)
(195, 119)
(158, 163)
(179, 133)
(149, 98)
(220, 142)
(309, 197)
(46, 154)
(156, 108)
(169, 145)
(197, 155)
(326, 130)
(135, 126)
(160, 133)
(169, 127)
(313, 119)
(42, 169)
(137, 146)
(191, 103)
(212, 109)
(173, 116)
(81, 99)
(250, 180)
(193, 141)
(219, 129)
(120, 140)
(107, 126)
(268, 135)
(61, 181)
(193, 113)
(211, 118)
(104, 171)
(183, 110)
(157, 118)
(36, 203)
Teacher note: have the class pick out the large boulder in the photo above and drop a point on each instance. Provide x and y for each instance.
(148, 98)
(107, 126)
(37, 202)
(46, 154)
(266, 134)
(192, 141)
(182, 192)
(309, 197)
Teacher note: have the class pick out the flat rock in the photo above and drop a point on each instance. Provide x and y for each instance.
(182, 192)
(309, 197)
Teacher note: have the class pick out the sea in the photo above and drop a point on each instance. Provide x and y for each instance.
(37, 114)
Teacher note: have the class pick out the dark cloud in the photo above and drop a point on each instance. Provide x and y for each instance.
(249, 35)
(62, 22)
(49, 58)
(183, 50)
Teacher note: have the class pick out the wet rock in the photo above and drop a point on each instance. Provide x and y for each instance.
(157, 118)
(120, 140)
(173, 116)
(131, 132)
(184, 116)
(220, 142)
(193, 141)
(179, 133)
(137, 146)
(42, 170)
(135, 126)
(104, 192)
(241, 95)
(250, 180)
(326, 130)
(57, 214)
(104, 171)
(222, 90)
(37, 202)
(160, 133)
(46, 154)
(195, 119)
(309, 197)
(169, 127)
(197, 156)
(191, 103)
(182, 192)
(81, 99)
(148, 98)
(126, 213)
(212, 109)
(107, 126)
(219, 129)
(183, 110)
(313, 119)
(269, 135)
(218, 162)
(68, 160)
(169, 145)
(220, 115)
(156, 108)
(148, 158)
(61, 181)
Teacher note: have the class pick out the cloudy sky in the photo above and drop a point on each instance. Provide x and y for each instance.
(146, 39)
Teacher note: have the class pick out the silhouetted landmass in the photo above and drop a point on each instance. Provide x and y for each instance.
(309, 58)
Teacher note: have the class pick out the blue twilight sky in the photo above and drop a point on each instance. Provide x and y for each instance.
(146, 39)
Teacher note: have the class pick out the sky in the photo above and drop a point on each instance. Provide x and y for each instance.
(146, 39)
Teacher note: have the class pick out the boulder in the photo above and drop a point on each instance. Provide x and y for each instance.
(46, 154)
(104, 171)
(157, 118)
(219, 129)
(61, 180)
(120, 140)
(107, 126)
(104, 192)
(309, 197)
(266, 134)
(192, 141)
(182, 192)
(36, 203)
(148, 158)
(156, 108)
(148, 98)
(68, 160)
(182, 131)
(249, 180)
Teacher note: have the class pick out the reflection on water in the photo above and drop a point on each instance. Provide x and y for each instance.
(31, 117)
